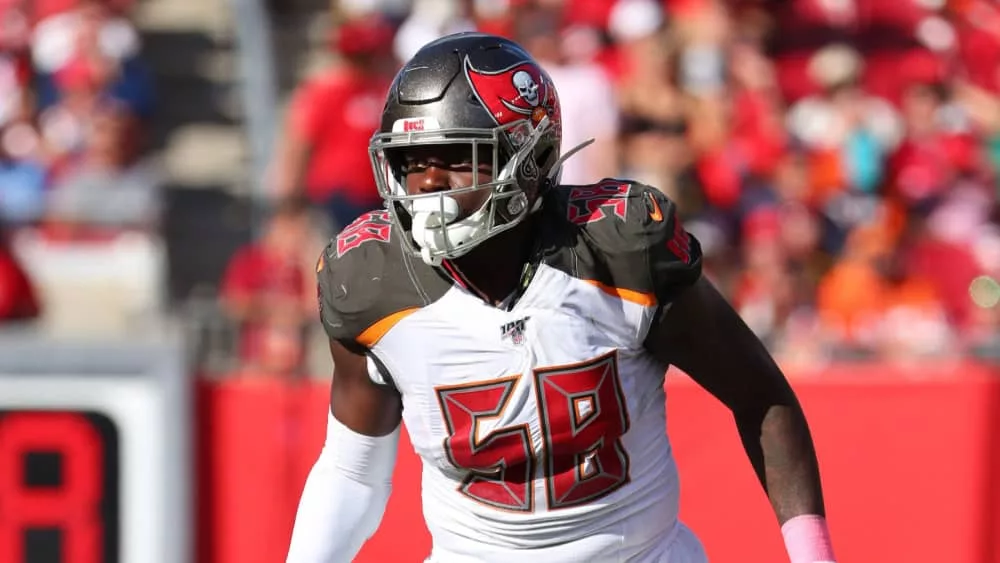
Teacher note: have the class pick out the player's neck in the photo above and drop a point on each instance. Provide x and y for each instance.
(496, 266)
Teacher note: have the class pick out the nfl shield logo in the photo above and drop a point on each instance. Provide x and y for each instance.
(514, 330)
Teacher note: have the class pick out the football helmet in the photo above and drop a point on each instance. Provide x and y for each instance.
(480, 90)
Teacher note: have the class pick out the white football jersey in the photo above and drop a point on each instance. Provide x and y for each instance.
(541, 425)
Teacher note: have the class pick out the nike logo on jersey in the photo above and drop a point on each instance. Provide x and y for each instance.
(655, 213)
(513, 330)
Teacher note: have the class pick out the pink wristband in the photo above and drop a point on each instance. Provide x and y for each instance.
(807, 539)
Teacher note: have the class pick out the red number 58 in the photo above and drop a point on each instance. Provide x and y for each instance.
(582, 414)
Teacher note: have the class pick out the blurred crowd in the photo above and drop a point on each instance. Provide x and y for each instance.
(839, 161)
(76, 99)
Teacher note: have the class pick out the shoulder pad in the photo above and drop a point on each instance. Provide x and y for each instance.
(635, 232)
(364, 286)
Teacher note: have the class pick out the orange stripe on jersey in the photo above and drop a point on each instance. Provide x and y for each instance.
(638, 297)
(374, 333)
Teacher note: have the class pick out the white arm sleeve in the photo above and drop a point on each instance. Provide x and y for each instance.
(344, 497)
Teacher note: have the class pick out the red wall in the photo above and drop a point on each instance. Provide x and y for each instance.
(910, 461)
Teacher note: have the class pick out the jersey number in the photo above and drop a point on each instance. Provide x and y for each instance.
(582, 416)
(680, 245)
(589, 204)
(375, 225)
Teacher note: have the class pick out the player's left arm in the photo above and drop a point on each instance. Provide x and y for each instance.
(700, 333)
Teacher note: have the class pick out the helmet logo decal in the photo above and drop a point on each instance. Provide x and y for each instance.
(526, 87)
(518, 92)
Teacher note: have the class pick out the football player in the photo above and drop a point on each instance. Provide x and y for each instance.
(522, 329)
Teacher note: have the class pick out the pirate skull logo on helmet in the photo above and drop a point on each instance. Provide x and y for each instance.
(526, 87)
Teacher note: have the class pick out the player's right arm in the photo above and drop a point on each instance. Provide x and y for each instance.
(349, 485)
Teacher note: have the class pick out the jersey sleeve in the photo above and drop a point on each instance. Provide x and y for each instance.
(351, 274)
(643, 243)
(365, 286)
(674, 254)
(345, 305)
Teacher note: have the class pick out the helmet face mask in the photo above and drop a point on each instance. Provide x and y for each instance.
(438, 227)
(505, 114)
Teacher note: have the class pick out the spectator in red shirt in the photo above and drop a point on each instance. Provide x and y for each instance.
(937, 149)
(266, 289)
(331, 118)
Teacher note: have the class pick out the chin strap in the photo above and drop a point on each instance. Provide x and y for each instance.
(430, 219)
(425, 255)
